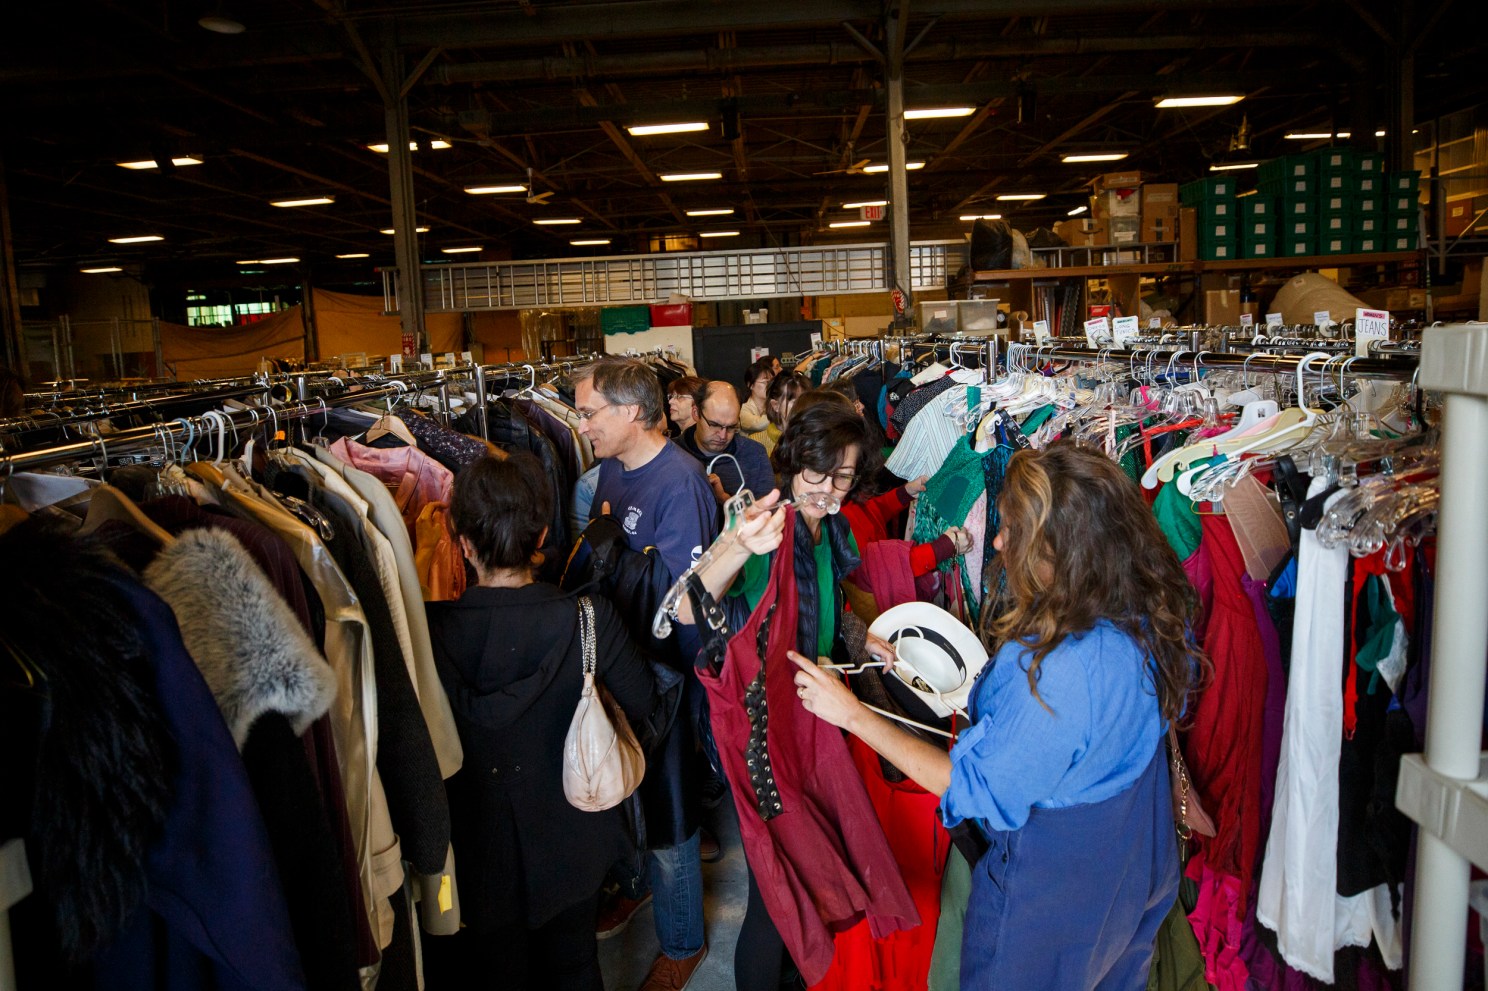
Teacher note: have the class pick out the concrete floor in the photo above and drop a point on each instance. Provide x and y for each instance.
(626, 958)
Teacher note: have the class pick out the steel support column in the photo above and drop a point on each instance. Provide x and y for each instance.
(405, 213)
(896, 15)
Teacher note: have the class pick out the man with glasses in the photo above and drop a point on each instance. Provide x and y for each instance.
(662, 500)
(717, 433)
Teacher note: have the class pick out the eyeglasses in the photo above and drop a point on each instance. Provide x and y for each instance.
(730, 428)
(588, 414)
(841, 480)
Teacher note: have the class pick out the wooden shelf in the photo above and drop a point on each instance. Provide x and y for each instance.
(1196, 267)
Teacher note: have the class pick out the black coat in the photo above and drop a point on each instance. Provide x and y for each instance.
(511, 661)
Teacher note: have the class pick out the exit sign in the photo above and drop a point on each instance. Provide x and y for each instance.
(872, 212)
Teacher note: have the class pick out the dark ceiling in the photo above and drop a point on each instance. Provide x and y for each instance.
(286, 109)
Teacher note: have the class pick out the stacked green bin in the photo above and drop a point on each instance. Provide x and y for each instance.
(1290, 184)
(1258, 226)
(1402, 210)
(1214, 201)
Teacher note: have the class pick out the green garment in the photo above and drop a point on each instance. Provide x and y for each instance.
(947, 500)
(756, 575)
(1177, 518)
(1177, 960)
(1379, 633)
(1037, 419)
(955, 892)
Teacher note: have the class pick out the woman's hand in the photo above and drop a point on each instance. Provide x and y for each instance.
(961, 538)
(879, 649)
(916, 486)
(762, 529)
(824, 694)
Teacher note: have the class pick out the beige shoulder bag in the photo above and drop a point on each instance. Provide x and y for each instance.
(602, 760)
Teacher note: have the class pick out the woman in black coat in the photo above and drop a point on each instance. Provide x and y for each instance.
(529, 864)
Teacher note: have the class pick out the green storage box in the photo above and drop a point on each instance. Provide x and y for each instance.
(1300, 227)
(1287, 166)
(1372, 204)
(1368, 223)
(625, 319)
(1213, 188)
(1400, 223)
(1371, 162)
(1366, 243)
(1335, 159)
(1258, 227)
(1337, 183)
(1219, 250)
(1298, 209)
(1297, 247)
(1222, 229)
(1400, 242)
(1401, 203)
(1335, 203)
(1369, 184)
(1256, 206)
(1336, 244)
(1258, 247)
(1404, 182)
(1333, 224)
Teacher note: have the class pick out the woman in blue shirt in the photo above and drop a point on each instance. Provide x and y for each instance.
(1063, 768)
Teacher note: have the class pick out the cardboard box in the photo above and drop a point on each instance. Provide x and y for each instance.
(1159, 212)
(1188, 234)
(1125, 202)
(1459, 214)
(1123, 230)
(1117, 180)
(1080, 232)
(1222, 307)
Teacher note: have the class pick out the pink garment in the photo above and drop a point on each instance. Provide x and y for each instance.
(886, 573)
(437, 557)
(1216, 923)
(414, 478)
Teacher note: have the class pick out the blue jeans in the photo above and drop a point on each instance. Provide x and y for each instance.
(676, 875)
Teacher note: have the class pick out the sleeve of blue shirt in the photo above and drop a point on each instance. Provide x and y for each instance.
(759, 477)
(688, 524)
(1017, 752)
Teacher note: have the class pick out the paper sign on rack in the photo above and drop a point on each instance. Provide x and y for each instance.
(395, 364)
(467, 358)
(1273, 319)
(1323, 319)
(1247, 320)
(1154, 323)
(1370, 326)
(1041, 332)
(426, 360)
(1123, 329)
(816, 338)
(1098, 332)
(755, 354)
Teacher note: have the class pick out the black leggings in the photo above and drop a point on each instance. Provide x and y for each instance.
(761, 962)
(561, 955)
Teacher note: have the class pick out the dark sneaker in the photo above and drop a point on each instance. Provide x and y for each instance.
(709, 849)
(673, 975)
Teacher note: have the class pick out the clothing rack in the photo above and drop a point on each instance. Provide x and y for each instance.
(483, 373)
(1392, 367)
(1442, 789)
(104, 410)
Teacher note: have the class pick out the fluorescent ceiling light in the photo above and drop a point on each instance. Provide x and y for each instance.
(308, 201)
(100, 271)
(150, 163)
(1198, 101)
(981, 216)
(690, 176)
(549, 221)
(416, 230)
(1077, 211)
(863, 203)
(268, 261)
(221, 24)
(720, 212)
(641, 130)
(1233, 166)
(136, 240)
(466, 250)
(589, 241)
(355, 254)
(929, 113)
(1109, 156)
(718, 233)
(438, 143)
(1324, 135)
(849, 223)
(881, 167)
(511, 187)
(1022, 196)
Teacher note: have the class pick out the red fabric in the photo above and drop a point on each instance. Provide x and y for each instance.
(822, 864)
(1223, 746)
(901, 961)
(870, 522)
(886, 573)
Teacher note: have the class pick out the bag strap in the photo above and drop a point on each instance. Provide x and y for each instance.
(714, 625)
(586, 635)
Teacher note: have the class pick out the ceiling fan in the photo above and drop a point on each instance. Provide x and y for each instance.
(855, 168)
(533, 197)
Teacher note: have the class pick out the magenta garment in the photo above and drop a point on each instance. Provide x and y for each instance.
(886, 573)
(413, 478)
(819, 855)
(1274, 708)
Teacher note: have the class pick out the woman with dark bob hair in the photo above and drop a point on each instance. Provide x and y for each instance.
(510, 657)
(822, 454)
(1063, 768)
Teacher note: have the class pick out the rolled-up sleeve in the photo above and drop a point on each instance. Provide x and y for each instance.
(1018, 752)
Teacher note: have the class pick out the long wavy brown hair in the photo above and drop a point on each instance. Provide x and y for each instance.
(1080, 545)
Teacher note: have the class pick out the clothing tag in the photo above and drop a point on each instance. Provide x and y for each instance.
(1370, 325)
(446, 894)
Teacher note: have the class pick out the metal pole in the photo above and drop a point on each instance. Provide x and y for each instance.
(444, 398)
(894, 22)
(1454, 359)
(480, 401)
(405, 213)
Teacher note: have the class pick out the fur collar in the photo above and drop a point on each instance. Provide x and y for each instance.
(249, 644)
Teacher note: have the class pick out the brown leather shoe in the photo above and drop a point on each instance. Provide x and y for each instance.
(672, 975)
(616, 914)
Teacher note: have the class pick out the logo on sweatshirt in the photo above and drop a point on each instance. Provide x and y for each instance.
(632, 520)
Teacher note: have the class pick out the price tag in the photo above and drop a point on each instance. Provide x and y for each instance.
(1370, 325)
(1098, 332)
(1273, 319)
(1323, 319)
(1154, 323)
(426, 360)
(755, 354)
(1041, 332)
(816, 338)
(1123, 329)
(1247, 320)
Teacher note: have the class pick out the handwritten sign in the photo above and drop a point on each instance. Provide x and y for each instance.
(1247, 320)
(1370, 326)
(1273, 319)
(1123, 329)
(1098, 331)
(1323, 319)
